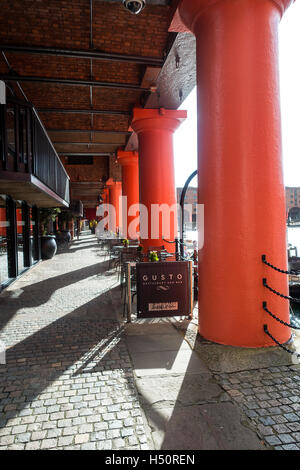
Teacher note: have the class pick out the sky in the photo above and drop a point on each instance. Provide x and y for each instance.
(185, 138)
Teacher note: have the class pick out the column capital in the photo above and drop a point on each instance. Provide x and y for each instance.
(127, 158)
(155, 119)
(190, 10)
(111, 182)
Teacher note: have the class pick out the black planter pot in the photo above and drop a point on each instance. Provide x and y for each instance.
(64, 236)
(48, 246)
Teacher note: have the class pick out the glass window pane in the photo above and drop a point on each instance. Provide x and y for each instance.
(20, 239)
(10, 123)
(4, 224)
(22, 135)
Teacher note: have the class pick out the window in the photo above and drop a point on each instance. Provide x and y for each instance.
(10, 126)
(78, 160)
(4, 227)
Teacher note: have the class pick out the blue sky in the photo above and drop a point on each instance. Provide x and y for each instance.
(185, 139)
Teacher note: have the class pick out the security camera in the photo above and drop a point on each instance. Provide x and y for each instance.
(134, 6)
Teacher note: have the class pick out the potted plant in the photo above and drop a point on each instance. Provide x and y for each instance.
(64, 234)
(48, 242)
(93, 225)
(125, 242)
(153, 257)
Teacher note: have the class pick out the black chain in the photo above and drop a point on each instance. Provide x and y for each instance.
(278, 319)
(287, 297)
(264, 260)
(279, 344)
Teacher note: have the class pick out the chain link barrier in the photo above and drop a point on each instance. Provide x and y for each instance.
(290, 325)
(264, 260)
(295, 324)
(293, 353)
(287, 297)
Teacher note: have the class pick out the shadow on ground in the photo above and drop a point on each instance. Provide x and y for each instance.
(183, 405)
(86, 342)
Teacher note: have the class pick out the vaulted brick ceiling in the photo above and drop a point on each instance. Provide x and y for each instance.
(132, 48)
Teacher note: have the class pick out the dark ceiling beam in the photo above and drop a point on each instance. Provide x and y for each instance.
(70, 81)
(83, 54)
(83, 111)
(81, 131)
(104, 144)
(85, 154)
(148, 2)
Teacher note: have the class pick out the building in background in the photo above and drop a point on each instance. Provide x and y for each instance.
(190, 215)
(293, 205)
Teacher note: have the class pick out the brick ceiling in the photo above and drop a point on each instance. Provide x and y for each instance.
(46, 46)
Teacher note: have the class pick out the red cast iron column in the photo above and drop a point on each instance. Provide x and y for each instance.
(115, 192)
(155, 128)
(130, 182)
(239, 168)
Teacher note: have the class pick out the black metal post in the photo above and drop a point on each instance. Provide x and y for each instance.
(182, 198)
(177, 249)
(26, 235)
(12, 248)
(36, 232)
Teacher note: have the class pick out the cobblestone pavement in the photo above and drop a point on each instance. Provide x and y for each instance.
(68, 380)
(271, 399)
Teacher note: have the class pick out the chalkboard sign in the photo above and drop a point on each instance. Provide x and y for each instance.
(163, 289)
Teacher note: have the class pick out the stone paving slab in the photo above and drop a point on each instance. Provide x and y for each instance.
(182, 390)
(183, 405)
(167, 362)
(217, 426)
(219, 358)
(161, 342)
(153, 327)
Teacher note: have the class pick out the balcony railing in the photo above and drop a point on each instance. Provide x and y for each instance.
(26, 148)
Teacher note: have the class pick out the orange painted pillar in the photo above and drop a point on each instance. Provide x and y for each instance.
(3, 227)
(155, 128)
(130, 184)
(19, 221)
(239, 168)
(105, 197)
(115, 192)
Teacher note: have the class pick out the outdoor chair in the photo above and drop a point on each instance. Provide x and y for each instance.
(111, 251)
(133, 287)
(126, 255)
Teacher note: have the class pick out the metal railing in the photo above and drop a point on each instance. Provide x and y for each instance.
(26, 147)
(46, 163)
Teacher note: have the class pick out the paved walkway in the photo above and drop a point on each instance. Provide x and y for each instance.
(77, 377)
(68, 382)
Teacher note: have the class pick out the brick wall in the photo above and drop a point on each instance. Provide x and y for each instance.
(94, 172)
(115, 170)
